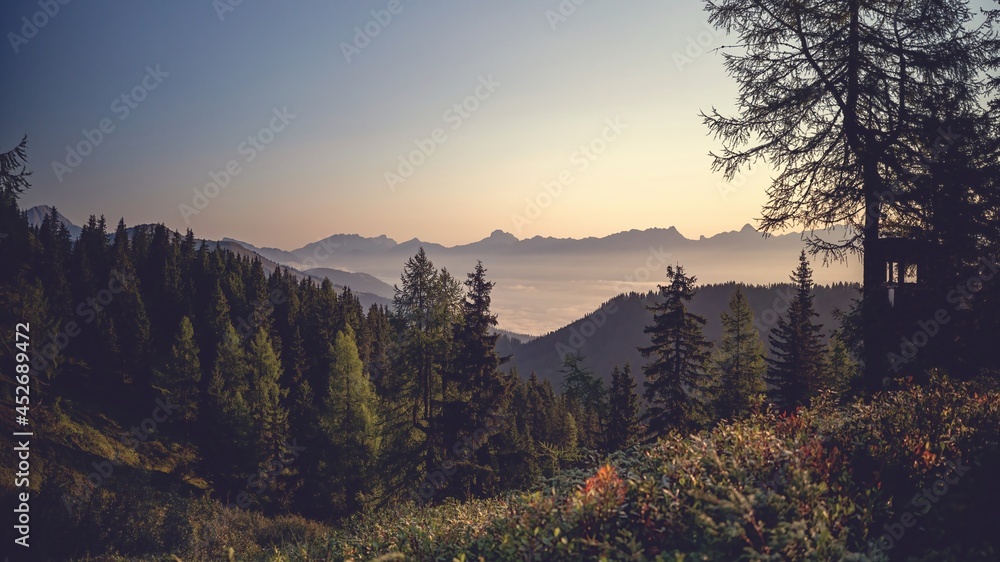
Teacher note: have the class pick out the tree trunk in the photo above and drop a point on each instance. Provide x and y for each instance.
(873, 297)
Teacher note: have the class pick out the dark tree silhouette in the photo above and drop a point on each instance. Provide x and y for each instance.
(623, 410)
(796, 370)
(739, 361)
(834, 95)
(678, 389)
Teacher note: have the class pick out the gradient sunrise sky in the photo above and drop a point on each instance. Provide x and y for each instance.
(549, 80)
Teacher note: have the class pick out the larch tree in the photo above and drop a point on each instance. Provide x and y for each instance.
(349, 423)
(836, 96)
(229, 452)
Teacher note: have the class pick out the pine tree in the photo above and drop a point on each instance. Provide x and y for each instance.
(677, 384)
(265, 399)
(586, 399)
(14, 173)
(129, 314)
(301, 397)
(182, 374)
(795, 368)
(474, 390)
(53, 266)
(739, 361)
(229, 451)
(841, 368)
(426, 308)
(623, 410)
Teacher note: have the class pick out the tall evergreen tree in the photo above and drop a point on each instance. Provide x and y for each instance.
(128, 311)
(586, 399)
(349, 421)
(623, 410)
(14, 172)
(426, 307)
(678, 386)
(475, 391)
(739, 361)
(841, 367)
(182, 374)
(796, 366)
(229, 451)
(265, 400)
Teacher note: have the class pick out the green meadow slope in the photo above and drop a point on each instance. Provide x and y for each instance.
(909, 475)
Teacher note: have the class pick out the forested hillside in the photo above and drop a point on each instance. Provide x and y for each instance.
(612, 334)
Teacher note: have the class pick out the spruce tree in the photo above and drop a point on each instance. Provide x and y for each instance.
(739, 361)
(841, 367)
(796, 366)
(623, 410)
(229, 454)
(475, 391)
(426, 307)
(129, 314)
(678, 386)
(586, 399)
(182, 374)
(265, 399)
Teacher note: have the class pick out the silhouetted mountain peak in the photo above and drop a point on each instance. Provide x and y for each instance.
(501, 236)
(38, 213)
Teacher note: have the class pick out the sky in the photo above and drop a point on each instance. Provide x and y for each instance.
(283, 123)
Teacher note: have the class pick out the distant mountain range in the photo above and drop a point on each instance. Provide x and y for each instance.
(38, 213)
(611, 334)
(543, 283)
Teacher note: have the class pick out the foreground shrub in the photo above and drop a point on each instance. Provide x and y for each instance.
(826, 483)
(909, 475)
